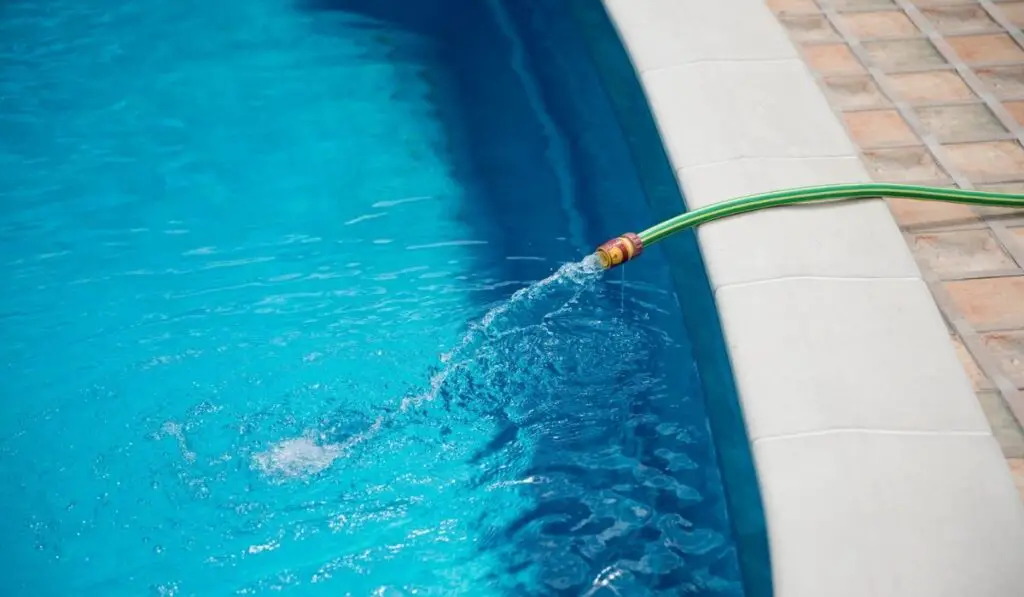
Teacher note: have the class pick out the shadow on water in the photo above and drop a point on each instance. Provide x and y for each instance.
(690, 281)
(626, 490)
(432, 18)
(519, 199)
(598, 410)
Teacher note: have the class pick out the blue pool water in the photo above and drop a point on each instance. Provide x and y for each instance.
(257, 335)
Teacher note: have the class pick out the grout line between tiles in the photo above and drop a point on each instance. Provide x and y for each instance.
(997, 15)
(1002, 235)
(972, 341)
(941, 228)
(868, 431)
(1010, 394)
(747, 158)
(983, 330)
(782, 279)
(983, 275)
(681, 65)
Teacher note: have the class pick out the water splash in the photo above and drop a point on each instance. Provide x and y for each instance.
(310, 454)
(177, 431)
(580, 274)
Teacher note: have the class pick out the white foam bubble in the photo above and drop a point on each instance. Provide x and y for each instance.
(304, 456)
(297, 457)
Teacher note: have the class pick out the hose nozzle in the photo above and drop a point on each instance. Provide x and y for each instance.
(619, 250)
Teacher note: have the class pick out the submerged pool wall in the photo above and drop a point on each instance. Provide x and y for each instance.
(269, 385)
(602, 139)
(690, 280)
(603, 123)
(566, 169)
(879, 473)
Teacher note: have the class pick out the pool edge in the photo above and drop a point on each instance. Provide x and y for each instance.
(830, 348)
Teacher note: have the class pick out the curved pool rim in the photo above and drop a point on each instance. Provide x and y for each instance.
(842, 362)
(697, 301)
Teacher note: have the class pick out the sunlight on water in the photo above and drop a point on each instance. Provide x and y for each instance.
(282, 315)
(310, 454)
(297, 457)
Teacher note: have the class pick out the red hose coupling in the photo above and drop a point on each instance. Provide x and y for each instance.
(619, 250)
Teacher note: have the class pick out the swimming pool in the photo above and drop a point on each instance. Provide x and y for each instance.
(249, 247)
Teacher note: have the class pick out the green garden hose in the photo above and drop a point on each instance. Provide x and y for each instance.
(630, 245)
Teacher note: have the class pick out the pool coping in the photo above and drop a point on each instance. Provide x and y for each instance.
(841, 358)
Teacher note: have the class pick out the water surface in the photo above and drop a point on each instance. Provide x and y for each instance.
(257, 335)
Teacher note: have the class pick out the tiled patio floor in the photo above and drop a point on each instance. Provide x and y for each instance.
(932, 91)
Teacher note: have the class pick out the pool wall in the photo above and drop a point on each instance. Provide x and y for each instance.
(878, 471)
(691, 284)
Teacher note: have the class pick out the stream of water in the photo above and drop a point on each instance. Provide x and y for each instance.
(313, 451)
(242, 242)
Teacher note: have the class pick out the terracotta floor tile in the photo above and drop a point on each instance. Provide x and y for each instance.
(992, 158)
(1017, 472)
(938, 86)
(966, 122)
(905, 54)
(990, 303)
(809, 28)
(1005, 187)
(1014, 11)
(974, 373)
(960, 19)
(906, 164)
(832, 59)
(1004, 81)
(960, 252)
(852, 93)
(1016, 109)
(842, 5)
(878, 128)
(1008, 349)
(941, 2)
(793, 6)
(1016, 188)
(878, 25)
(1005, 427)
(974, 49)
(910, 213)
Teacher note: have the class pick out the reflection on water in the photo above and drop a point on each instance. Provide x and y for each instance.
(299, 456)
(309, 454)
(243, 246)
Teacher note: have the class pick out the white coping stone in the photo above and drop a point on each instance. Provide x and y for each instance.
(820, 354)
(891, 515)
(711, 112)
(664, 33)
(857, 239)
(918, 500)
